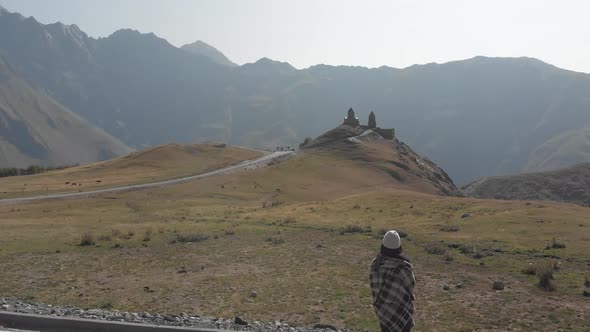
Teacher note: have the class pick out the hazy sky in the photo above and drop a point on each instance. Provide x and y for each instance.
(396, 33)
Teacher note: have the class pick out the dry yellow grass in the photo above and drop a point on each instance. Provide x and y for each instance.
(154, 164)
(317, 274)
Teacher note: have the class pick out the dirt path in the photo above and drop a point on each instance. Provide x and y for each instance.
(245, 165)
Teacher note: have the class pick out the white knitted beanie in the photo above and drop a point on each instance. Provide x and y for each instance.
(391, 240)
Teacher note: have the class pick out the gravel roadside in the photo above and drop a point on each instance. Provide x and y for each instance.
(184, 320)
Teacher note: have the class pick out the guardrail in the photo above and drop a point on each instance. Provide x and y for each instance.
(41, 323)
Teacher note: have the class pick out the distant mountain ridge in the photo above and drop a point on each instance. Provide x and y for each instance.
(475, 117)
(202, 48)
(568, 185)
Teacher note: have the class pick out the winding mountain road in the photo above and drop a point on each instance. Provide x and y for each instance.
(244, 165)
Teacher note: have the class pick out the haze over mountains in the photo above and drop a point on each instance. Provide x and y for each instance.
(477, 117)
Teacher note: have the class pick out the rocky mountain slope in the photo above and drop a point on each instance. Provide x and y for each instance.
(35, 129)
(477, 117)
(569, 185)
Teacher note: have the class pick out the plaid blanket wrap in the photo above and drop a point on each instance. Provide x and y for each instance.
(392, 283)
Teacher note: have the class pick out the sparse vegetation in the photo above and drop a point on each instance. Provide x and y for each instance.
(289, 220)
(355, 229)
(147, 236)
(33, 169)
(275, 240)
(556, 243)
(104, 238)
(544, 272)
(276, 203)
(87, 239)
(473, 250)
(435, 248)
(450, 228)
(498, 285)
(189, 237)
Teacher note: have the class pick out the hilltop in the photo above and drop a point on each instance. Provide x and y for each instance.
(377, 150)
(568, 185)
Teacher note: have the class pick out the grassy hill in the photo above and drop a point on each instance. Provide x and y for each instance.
(301, 234)
(569, 185)
(150, 165)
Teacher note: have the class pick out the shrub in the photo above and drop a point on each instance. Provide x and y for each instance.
(472, 250)
(544, 271)
(449, 257)
(498, 285)
(104, 237)
(402, 234)
(356, 206)
(450, 228)
(530, 269)
(555, 243)
(435, 248)
(189, 237)
(87, 239)
(275, 240)
(468, 249)
(382, 231)
(276, 203)
(115, 232)
(147, 236)
(230, 232)
(289, 220)
(587, 281)
(355, 229)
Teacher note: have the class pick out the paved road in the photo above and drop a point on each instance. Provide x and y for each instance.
(245, 165)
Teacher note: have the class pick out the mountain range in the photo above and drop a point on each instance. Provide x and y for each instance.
(477, 117)
(35, 129)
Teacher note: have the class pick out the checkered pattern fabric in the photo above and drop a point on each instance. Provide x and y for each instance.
(392, 283)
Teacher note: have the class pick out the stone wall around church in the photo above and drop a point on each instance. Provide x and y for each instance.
(388, 134)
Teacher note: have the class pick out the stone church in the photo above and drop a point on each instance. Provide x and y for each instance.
(353, 121)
